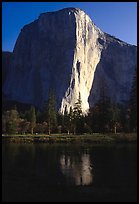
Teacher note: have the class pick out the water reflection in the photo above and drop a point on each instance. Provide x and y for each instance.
(43, 173)
(78, 172)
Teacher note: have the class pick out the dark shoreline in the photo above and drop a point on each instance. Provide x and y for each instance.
(95, 138)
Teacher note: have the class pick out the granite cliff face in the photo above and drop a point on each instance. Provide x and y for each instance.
(65, 51)
(6, 60)
(115, 71)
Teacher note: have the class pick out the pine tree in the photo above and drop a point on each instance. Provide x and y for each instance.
(115, 116)
(133, 104)
(66, 121)
(71, 120)
(32, 118)
(50, 114)
(11, 121)
(103, 107)
(77, 111)
(78, 116)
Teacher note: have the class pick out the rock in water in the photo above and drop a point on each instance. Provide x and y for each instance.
(66, 52)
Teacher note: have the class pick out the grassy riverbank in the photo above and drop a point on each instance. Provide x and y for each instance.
(63, 138)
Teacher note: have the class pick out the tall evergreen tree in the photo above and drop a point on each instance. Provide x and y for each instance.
(78, 116)
(77, 111)
(115, 116)
(104, 106)
(66, 121)
(100, 113)
(133, 104)
(71, 120)
(11, 121)
(93, 118)
(124, 117)
(32, 118)
(104, 115)
(50, 111)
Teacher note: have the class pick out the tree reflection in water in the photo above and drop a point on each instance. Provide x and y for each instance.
(78, 171)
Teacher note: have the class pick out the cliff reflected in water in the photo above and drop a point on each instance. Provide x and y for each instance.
(61, 173)
(78, 171)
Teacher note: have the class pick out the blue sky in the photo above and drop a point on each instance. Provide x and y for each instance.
(116, 18)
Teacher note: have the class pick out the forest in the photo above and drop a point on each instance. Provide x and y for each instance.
(105, 116)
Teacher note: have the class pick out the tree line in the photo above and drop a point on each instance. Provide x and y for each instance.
(104, 117)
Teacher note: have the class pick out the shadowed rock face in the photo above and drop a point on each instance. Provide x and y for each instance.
(65, 51)
(115, 71)
(6, 60)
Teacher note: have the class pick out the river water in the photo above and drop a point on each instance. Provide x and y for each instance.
(69, 173)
